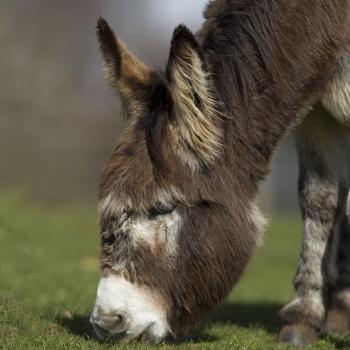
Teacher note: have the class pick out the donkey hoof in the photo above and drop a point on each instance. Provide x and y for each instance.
(298, 335)
(338, 322)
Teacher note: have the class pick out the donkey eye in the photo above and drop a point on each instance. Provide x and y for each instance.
(158, 211)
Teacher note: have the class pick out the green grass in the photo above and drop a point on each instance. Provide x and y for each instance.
(49, 274)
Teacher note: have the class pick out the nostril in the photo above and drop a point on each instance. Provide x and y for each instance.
(119, 322)
(120, 319)
(113, 323)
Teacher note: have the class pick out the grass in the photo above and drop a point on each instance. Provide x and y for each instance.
(49, 274)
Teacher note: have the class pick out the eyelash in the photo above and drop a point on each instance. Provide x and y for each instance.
(159, 211)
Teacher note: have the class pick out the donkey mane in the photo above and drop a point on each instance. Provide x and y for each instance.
(269, 62)
(258, 43)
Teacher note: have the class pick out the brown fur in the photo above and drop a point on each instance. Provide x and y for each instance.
(266, 62)
(122, 70)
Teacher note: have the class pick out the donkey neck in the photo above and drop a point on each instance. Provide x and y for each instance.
(265, 72)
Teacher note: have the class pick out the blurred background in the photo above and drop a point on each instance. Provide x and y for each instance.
(58, 120)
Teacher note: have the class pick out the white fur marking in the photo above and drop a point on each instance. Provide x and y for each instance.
(337, 98)
(115, 295)
(112, 205)
(160, 230)
(259, 221)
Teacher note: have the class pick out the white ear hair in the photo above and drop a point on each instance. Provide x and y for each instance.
(196, 123)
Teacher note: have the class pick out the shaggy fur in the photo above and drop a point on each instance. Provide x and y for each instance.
(196, 107)
(202, 137)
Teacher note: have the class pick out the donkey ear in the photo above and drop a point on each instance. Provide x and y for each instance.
(196, 113)
(122, 69)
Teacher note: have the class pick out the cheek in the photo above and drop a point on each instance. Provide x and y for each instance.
(160, 234)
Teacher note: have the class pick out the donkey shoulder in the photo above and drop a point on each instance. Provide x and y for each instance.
(336, 98)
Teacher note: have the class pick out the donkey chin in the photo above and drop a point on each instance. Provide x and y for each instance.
(125, 311)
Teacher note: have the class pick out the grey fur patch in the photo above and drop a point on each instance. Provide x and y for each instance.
(323, 188)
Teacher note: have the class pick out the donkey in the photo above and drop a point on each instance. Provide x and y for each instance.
(178, 198)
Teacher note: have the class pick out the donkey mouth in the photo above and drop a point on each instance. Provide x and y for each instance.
(101, 333)
(105, 331)
(104, 335)
(145, 336)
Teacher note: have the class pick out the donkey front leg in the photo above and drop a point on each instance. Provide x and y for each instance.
(338, 317)
(322, 197)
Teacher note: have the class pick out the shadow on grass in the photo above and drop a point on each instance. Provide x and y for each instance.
(262, 315)
(248, 315)
(78, 325)
(339, 343)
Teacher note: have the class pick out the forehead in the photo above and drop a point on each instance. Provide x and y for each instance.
(129, 169)
(130, 181)
(142, 148)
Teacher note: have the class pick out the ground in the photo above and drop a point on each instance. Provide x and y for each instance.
(49, 274)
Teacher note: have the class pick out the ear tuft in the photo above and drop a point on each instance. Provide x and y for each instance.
(122, 70)
(183, 36)
(182, 43)
(109, 46)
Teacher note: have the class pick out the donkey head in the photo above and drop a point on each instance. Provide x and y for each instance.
(173, 236)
